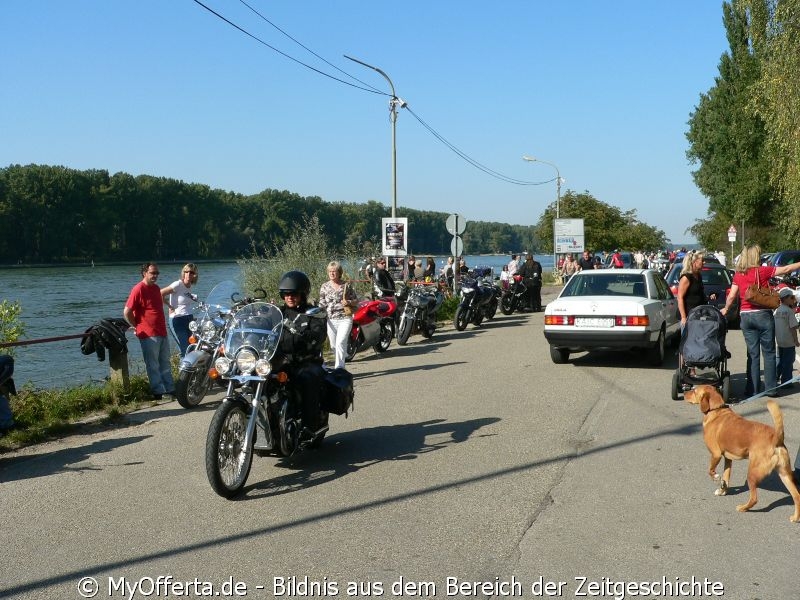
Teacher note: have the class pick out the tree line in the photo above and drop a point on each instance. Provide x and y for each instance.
(744, 134)
(54, 214)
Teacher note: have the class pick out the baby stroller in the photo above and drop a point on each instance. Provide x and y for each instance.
(703, 358)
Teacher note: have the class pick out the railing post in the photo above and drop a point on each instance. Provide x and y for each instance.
(118, 363)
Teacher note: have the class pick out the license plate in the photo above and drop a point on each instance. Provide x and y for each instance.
(594, 321)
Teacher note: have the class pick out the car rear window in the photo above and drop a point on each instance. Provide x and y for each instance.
(628, 284)
(715, 277)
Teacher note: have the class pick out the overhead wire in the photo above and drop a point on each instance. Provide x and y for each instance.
(368, 88)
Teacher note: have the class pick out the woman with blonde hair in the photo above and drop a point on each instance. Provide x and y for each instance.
(177, 297)
(690, 285)
(757, 322)
(339, 299)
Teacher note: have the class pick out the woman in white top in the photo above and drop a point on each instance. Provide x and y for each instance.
(178, 298)
(338, 299)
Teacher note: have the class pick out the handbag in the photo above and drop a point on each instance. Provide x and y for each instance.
(348, 311)
(762, 296)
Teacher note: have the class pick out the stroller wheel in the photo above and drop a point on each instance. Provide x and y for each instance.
(676, 384)
(726, 387)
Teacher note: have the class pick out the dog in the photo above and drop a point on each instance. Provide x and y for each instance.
(728, 435)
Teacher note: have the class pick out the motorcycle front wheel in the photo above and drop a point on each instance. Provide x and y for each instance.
(507, 304)
(491, 310)
(228, 461)
(387, 333)
(462, 318)
(404, 331)
(191, 387)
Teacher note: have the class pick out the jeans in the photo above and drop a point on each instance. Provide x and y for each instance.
(786, 358)
(155, 351)
(338, 334)
(758, 328)
(180, 329)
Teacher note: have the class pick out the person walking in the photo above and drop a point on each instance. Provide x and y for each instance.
(569, 269)
(585, 261)
(144, 312)
(690, 285)
(177, 297)
(339, 299)
(756, 322)
(786, 335)
(531, 272)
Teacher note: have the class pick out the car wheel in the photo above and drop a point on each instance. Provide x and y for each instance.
(559, 355)
(656, 354)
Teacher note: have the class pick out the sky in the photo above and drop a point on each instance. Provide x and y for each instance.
(602, 90)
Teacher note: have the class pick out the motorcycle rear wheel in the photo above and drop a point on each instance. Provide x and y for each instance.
(351, 349)
(462, 318)
(228, 462)
(191, 388)
(491, 310)
(507, 304)
(404, 331)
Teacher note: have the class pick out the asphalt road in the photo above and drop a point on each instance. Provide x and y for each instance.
(469, 456)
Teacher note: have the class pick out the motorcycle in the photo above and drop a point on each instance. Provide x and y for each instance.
(261, 412)
(373, 326)
(196, 373)
(419, 313)
(513, 298)
(479, 300)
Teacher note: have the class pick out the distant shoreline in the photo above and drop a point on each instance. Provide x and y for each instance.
(89, 265)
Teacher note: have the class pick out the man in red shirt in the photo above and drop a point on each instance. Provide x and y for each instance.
(144, 312)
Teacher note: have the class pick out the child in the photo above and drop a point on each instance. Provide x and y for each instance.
(786, 334)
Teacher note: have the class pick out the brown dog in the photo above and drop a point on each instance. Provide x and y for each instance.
(730, 436)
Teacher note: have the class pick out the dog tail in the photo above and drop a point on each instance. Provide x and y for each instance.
(777, 418)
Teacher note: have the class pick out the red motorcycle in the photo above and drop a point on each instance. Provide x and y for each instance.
(373, 325)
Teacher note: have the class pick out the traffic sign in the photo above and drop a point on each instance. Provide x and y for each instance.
(457, 246)
(455, 224)
(731, 234)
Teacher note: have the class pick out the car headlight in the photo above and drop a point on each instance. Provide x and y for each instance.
(246, 360)
(223, 365)
(263, 367)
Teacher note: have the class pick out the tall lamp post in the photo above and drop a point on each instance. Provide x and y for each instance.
(558, 200)
(393, 104)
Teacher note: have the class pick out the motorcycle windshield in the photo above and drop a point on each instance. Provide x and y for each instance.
(224, 295)
(259, 326)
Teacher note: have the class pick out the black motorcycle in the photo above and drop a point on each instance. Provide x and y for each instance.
(262, 409)
(479, 300)
(419, 313)
(513, 298)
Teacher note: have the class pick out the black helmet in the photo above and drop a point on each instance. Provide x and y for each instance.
(295, 281)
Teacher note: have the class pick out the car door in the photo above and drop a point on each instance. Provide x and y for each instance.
(669, 306)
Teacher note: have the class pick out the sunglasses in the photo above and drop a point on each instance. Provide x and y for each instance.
(292, 294)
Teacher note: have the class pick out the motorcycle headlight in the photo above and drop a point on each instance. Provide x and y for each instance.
(246, 360)
(208, 328)
(194, 325)
(263, 367)
(223, 365)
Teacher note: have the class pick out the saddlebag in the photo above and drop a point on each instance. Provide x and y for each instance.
(337, 397)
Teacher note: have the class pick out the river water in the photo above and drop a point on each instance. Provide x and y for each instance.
(61, 301)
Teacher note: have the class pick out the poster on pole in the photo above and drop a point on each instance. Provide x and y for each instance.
(569, 238)
(395, 236)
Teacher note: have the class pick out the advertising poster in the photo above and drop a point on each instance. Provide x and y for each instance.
(569, 236)
(395, 236)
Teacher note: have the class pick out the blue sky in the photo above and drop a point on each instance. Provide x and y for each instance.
(602, 89)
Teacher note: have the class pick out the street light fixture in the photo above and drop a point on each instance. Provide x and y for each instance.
(393, 104)
(558, 201)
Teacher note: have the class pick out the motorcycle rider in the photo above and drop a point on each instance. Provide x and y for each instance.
(382, 280)
(302, 341)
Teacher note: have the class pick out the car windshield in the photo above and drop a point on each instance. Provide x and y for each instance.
(597, 284)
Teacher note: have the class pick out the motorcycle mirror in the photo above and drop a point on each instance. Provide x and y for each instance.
(192, 297)
(316, 312)
(235, 297)
(259, 293)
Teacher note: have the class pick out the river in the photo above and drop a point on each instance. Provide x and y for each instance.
(61, 301)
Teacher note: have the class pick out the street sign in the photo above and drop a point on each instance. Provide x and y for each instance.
(731, 234)
(455, 224)
(457, 246)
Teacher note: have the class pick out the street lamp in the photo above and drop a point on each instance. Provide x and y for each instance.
(393, 104)
(558, 201)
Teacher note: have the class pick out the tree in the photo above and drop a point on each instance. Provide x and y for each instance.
(727, 138)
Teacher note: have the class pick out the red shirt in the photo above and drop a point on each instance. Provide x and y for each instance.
(745, 280)
(148, 310)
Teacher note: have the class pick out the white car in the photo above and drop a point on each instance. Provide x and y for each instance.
(612, 309)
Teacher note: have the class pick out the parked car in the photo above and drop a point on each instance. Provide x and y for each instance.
(784, 257)
(612, 309)
(716, 280)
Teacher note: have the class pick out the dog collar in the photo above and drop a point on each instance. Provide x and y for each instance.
(718, 408)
